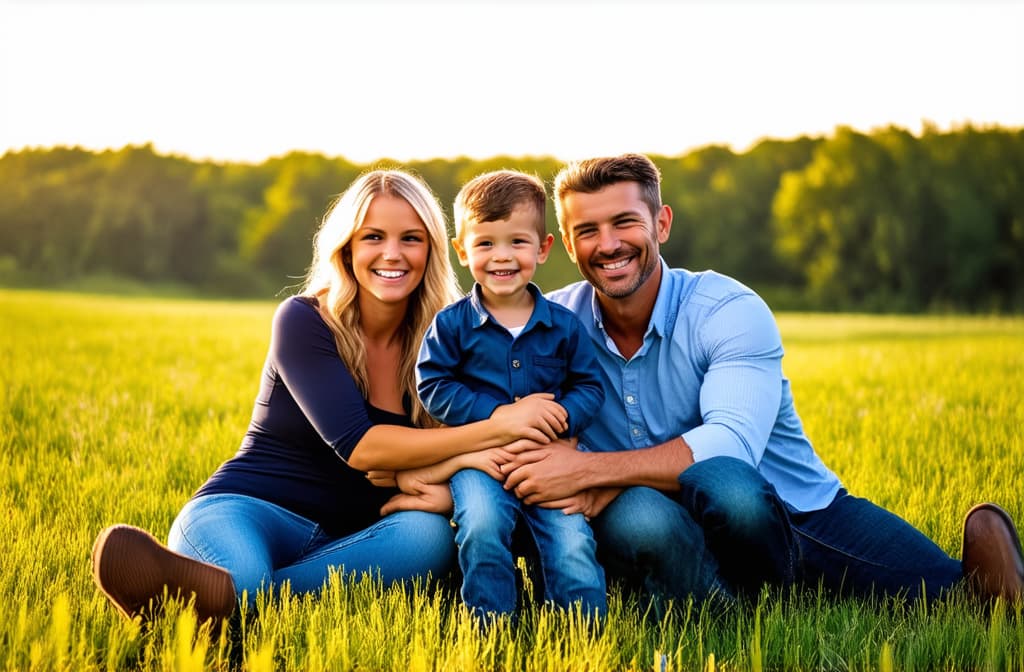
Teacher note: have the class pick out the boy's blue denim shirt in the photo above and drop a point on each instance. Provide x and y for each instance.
(710, 371)
(469, 364)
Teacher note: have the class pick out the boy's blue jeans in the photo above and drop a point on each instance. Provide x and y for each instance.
(262, 545)
(726, 532)
(485, 516)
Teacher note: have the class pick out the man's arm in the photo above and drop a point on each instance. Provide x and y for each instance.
(739, 403)
(558, 471)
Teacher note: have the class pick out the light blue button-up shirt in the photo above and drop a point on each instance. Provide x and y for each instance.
(710, 371)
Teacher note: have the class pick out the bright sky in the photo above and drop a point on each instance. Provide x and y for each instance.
(235, 80)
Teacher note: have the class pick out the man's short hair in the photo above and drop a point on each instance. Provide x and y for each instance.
(493, 196)
(591, 175)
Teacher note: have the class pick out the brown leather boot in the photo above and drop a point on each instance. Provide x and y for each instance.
(992, 561)
(131, 568)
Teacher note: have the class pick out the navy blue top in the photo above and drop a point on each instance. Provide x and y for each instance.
(469, 364)
(308, 417)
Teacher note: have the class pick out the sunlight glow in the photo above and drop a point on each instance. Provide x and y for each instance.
(245, 81)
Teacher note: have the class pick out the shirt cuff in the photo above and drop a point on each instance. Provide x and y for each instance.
(709, 441)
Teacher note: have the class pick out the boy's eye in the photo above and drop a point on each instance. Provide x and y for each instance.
(483, 243)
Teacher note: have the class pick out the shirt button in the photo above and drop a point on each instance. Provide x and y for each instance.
(636, 431)
(515, 364)
(630, 399)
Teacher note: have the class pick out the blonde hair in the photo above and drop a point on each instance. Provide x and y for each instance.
(331, 281)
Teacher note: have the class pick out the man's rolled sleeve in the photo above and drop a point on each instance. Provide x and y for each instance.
(742, 389)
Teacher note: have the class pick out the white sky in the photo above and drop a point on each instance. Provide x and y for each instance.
(234, 80)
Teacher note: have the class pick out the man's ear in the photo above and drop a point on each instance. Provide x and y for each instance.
(567, 244)
(460, 251)
(545, 248)
(663, 225)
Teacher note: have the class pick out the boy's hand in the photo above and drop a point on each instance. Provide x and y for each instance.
(539, 412)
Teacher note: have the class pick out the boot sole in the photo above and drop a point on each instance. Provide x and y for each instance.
(132, 569)
(1011, 593)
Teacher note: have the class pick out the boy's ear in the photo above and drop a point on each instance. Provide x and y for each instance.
(545, 248)
(460, 251)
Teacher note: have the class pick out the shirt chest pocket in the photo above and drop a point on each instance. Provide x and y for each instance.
(548, 374)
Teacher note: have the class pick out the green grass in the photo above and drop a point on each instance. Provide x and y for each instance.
(116, 409)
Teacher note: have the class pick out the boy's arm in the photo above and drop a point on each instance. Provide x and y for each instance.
(443, 395)
(583, 389)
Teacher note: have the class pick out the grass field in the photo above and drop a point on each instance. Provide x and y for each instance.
(116, 409)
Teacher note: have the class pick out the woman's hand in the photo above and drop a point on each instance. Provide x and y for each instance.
(431, 497)
(488, 461)
(382, 479)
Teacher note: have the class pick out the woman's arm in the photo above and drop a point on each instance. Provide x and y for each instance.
(306, 358)
(394, 448)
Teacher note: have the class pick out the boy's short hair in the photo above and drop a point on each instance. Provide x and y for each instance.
(592, 175)
(493, 196)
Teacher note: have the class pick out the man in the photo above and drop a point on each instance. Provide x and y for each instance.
(702, 481)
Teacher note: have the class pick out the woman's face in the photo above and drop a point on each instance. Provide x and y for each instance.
(390, 250)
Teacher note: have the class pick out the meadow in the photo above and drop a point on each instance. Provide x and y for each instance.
(115, 409)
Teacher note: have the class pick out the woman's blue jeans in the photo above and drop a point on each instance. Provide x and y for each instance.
(263, 545)
(485, 517)
(726, 532)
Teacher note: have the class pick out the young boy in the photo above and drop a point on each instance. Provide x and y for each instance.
(502, 343)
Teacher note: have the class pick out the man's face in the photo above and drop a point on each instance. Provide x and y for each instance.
(612, 237)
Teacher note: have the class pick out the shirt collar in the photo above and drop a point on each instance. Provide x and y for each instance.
(541, 310)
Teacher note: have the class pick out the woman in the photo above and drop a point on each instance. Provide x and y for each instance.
(338, 383)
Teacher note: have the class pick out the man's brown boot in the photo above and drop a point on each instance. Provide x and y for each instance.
(131, 568)
(992, 561)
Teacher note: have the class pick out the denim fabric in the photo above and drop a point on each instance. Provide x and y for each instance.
(727, 532)
(263, 545)
(485, 517)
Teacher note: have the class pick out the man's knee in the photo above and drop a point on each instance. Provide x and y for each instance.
(727, 492)
(641, 522)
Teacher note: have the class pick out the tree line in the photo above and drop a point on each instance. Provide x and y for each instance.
(879, 221)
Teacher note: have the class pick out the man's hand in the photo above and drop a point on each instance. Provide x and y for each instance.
(542, 418)
(588, 502)
(553, 472)
(432, 498)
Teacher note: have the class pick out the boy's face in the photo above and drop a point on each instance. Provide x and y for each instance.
(503, 255)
